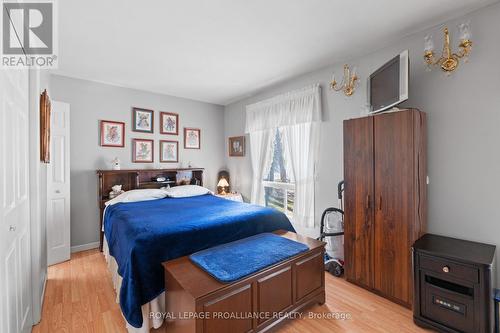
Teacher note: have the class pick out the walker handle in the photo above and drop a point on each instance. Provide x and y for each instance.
(340, 189)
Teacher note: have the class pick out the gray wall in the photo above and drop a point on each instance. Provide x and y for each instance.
(91, 102)
(39, 80)
(464, 129)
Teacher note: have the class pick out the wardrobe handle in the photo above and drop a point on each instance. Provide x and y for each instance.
(380, 202)
(367, 201)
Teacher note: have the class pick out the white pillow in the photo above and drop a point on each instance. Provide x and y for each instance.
(185, 191)
(138, 195)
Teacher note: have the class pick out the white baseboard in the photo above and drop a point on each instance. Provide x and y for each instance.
(44, 284)
(84, 247)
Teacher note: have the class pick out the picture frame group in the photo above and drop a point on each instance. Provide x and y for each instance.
(112, 134)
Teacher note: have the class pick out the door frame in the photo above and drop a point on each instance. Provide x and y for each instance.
(38, 203)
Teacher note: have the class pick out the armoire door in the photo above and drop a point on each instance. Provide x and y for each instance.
(393, 188)
(358, 198)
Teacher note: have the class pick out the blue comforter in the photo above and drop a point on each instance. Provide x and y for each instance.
(142, 235)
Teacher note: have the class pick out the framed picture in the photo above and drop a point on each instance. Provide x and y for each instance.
(45, 127)
(237, 146)
(142, 151)
(142, 120)
(169, 123)
(112, 133)
(192, 138)
(169, 151)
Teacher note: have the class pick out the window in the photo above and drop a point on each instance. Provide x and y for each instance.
(279, 183)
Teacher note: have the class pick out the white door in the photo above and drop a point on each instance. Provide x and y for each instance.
(15, 258)
(58, 186)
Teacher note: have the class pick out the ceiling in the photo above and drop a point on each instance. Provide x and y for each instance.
(219, 51)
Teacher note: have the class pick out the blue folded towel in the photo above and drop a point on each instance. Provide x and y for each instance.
(233, 261)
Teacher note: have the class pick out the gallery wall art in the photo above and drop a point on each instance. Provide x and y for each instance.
(192, 138)
(169, 151)
(142, 151)
(142, 120)
(169, 123)
(112, 133)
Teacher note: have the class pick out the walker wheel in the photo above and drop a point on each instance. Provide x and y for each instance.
(336, 269)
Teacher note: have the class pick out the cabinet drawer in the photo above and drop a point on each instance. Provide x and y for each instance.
(448, 268)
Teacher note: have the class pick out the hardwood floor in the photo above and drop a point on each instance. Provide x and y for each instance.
(79, 297)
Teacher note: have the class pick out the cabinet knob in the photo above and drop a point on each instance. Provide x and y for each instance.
(12, 228)
(446, 269)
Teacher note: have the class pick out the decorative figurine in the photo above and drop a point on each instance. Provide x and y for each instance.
(116, 191)
(116, 163)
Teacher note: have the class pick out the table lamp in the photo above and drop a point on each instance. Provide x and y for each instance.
(223, 183)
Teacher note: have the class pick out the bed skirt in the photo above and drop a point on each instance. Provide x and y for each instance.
(157, 305)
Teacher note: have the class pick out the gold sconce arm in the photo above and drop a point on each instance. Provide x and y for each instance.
(429, 58)
(465, 48)
(448, 61)
(348, 83)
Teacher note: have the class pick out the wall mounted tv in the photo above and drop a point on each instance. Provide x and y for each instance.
(388, 85)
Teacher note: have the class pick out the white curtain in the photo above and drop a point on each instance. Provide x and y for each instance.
(260, 144)
(295, 107)
(302, 143)
(298, 114)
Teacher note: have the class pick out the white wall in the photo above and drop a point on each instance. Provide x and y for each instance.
(91, 102)
(464, 129)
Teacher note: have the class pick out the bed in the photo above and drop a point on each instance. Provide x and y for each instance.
(139, 236)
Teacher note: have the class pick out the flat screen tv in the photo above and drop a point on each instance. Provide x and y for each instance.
(388, 85)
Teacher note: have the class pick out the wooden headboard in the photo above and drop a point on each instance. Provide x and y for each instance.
(142, 178)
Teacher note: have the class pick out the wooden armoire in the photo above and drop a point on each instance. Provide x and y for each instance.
(385, 200)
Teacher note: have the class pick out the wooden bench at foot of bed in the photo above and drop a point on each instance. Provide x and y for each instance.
(197, 303)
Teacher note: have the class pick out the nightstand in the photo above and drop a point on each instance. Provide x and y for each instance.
(231, 196)
(453, 284)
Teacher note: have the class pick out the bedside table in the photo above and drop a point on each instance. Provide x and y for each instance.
(453, 284)
(231, 196)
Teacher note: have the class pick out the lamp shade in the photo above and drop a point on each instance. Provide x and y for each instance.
(428, 43)
(222, 183)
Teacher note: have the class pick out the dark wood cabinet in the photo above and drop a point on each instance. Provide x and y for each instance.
(358, 173)
(453, 284)
(385, 200)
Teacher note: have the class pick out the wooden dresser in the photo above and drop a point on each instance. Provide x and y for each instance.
(259, 302)
(453, 284)
(139, 179)
(385, 200)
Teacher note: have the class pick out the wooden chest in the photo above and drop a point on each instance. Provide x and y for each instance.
(196, 302)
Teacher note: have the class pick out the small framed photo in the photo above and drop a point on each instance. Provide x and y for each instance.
(112, 133)
(169, 123)
(237, 146)
(142, 151)
(142, 120)
(169, 151)
(192, 138)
